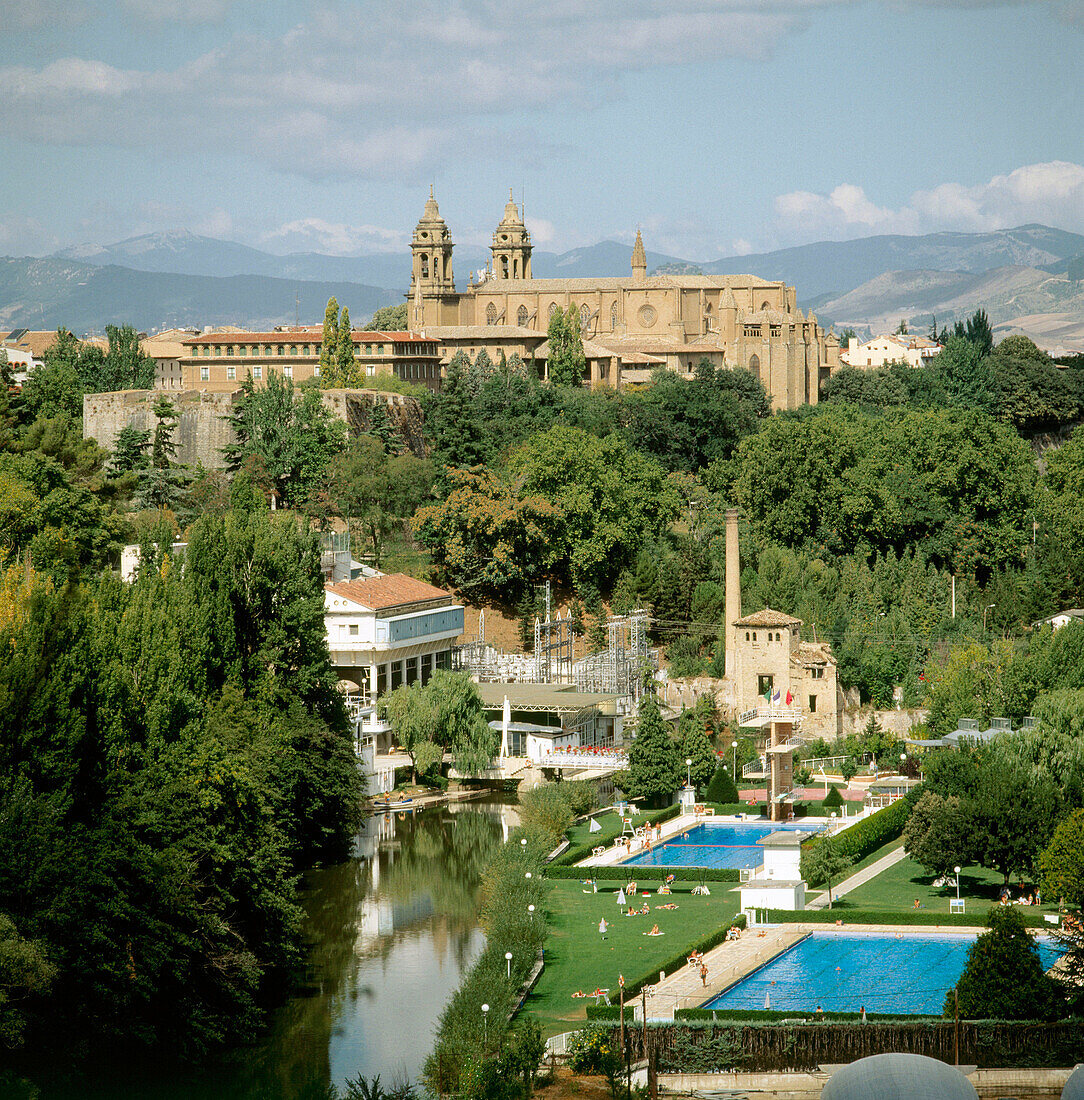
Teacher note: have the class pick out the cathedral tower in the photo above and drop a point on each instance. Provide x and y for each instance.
(639, 260)
(431, 277)
(511, 246)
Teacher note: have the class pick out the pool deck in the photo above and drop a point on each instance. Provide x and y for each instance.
(734, 960)
(617, 853)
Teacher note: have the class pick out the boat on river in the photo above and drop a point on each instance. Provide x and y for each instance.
(385, 805)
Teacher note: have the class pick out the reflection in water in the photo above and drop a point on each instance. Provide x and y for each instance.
(391, 932)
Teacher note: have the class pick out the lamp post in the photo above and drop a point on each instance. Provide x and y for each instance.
(734, 761)
(485, 1025)
(527, 876)
(903, 760)
(688, 771)
(530, 911)
(508, 960)
(523, 843)
(984, 610)
(957, 870)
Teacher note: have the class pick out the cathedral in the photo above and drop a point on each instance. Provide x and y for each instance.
(631, 325)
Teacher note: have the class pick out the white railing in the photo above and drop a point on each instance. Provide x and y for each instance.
(584, 758)
(771, 712)
(754, 769)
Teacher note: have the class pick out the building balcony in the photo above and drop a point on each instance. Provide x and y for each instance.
(755, 769)
(767, 713)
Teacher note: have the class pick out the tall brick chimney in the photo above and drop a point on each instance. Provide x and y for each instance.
(733, 589)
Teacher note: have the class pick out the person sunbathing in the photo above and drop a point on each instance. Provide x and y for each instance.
(654, 931)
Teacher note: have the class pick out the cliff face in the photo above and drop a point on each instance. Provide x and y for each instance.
(203, 428)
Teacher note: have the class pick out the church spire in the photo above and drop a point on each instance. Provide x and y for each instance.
(639, 259)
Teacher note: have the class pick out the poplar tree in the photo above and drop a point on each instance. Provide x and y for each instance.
(330, 345)
(346, 366)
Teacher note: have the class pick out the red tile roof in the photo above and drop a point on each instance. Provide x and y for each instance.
(390, 590)
(306, 336)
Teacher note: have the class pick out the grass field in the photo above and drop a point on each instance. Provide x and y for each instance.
(896, 888)
(578, 958)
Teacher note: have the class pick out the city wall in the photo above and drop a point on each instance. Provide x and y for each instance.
(203, 427)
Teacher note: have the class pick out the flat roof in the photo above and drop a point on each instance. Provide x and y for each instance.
(786, 838)
(557, 697)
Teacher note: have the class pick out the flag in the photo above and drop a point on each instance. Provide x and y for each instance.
(775, 697)
(790, 698)
(768, 694)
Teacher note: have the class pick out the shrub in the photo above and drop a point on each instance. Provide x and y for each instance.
(546, 810)
(591, 1049)
(721, 788)
(833, 800)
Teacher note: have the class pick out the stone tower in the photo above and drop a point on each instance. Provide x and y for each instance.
(639, 260)
(511, 246)
(431, 276)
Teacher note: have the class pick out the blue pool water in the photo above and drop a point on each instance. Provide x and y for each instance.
(711, 844)
(843, 971)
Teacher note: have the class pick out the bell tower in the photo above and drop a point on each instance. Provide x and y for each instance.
(431, 276)
(511, 245)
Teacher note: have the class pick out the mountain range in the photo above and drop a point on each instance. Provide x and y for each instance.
(1027, 278)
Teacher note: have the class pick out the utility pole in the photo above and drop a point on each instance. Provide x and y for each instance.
(954, 595)
(956, 1026)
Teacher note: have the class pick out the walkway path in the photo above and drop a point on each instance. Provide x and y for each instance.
(726, 964)
(859, 878)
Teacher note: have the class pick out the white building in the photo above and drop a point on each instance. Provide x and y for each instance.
(916, 351)
(388, 630)
(777, 883)
(1062, 618)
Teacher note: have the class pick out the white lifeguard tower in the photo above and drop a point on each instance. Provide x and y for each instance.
(777, 883)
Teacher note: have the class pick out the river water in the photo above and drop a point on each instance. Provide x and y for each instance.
(392, 932)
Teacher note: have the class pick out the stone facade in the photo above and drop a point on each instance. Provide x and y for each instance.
(636, 323)
(203, 427)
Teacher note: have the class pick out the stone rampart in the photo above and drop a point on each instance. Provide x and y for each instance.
(203, 427)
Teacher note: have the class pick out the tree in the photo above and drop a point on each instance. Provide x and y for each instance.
(696, 747)
(346, 366)
(848, 769)
(290, 431)
(412, 712)
(1004, 977)
(567, 362)
(329, 346)
(936, 833)
(721, 788)
(979, 332)
(389, 319)
(822, 864)
(833, 800)
(655, 769)
(901, 328)
(56, 387)
(1061, 862)
(129, 450)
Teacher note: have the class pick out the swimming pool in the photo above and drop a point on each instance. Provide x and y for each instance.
(844, 971)
(715, 844)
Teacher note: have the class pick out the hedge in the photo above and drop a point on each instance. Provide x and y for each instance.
(676, 962)
(703, 1047)
(874, 831)
(581, 851)
(777, 1016)
(623, 872)
(1033, 918)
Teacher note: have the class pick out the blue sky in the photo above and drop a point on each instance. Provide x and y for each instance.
(720, 126)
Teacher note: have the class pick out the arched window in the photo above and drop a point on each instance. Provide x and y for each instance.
(491, 314)
(504, 267)
(613, 316)
(585, 316)
(765, 305)
(521, 316)
(425, 265)
(754, 366)
(553, 308)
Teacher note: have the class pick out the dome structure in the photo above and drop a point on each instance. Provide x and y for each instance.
(899, 1077)
(1074, 1087)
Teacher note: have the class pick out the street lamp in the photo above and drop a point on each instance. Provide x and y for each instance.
(527, 876)
(903, 761)
(984, 610)
(688, 771)
(957, 870)
(523, 842)
(530, 910)
(508, 960)
(734, 760)
(485, 1025)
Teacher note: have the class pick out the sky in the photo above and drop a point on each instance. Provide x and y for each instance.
(720, 127)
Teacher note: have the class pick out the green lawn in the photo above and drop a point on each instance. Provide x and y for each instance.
(578, 958)
(896, 889)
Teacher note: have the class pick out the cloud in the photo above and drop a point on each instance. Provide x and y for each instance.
(543, 232)
(1051, 193)
(333, 238)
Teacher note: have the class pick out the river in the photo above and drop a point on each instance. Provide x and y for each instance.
(392, 932)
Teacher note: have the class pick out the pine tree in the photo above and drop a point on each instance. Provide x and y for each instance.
(696, 747)
(129, 450)
(655, 771)
(527, 611)
(722, 788)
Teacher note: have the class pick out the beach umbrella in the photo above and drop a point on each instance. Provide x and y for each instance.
(594, 827)
(621, 896)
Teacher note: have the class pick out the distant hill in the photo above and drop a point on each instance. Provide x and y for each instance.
(1046, 307)
(833, 268)
(183, 253)
(85, 298)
